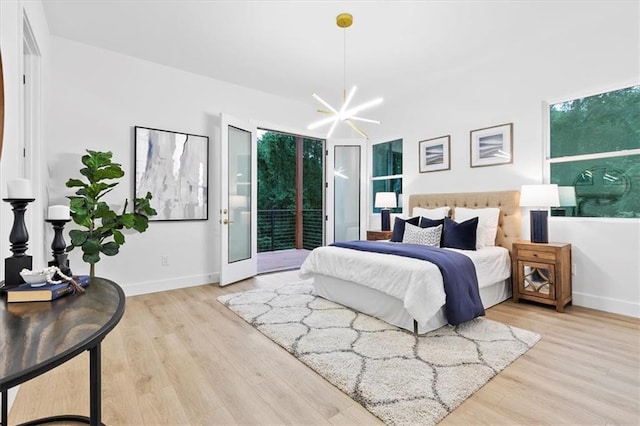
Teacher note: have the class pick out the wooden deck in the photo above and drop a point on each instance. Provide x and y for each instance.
(281, 260)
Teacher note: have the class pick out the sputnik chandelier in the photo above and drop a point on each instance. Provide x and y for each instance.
(344, 114)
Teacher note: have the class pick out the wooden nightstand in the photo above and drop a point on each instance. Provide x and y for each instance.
(379, 235)
(542, 273)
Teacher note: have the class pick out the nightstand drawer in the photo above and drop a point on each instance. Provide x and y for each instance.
(536, 255)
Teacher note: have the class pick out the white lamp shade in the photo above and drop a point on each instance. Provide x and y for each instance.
(539, 196)
(567, 196)
(385, 200)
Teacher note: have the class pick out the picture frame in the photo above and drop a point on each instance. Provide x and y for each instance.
(174, 167)
(434, 154)
(492, 146)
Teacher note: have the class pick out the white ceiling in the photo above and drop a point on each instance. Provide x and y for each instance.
(293, 48)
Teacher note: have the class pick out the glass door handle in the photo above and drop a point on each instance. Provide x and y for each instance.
(226, 221)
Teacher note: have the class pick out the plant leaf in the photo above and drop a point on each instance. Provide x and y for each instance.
(118, 237)
(97, 159)
(91, 258)
(110, 249)
(91, 246)
(127, 220)
(78, 237)
(143, 205)
(71, 183)
(103, 211)
(140, 222)
(113, 171)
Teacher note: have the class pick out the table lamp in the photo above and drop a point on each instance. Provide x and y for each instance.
(539, 197)
(385, 200)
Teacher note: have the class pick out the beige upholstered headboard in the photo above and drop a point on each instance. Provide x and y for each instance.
(509, 224)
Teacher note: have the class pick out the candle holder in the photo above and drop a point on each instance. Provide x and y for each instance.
(18, 239)
(58, 246)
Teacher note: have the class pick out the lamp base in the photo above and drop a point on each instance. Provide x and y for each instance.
(539, 226)
(385, 219)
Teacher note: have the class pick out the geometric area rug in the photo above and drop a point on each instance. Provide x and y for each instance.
(401, 378)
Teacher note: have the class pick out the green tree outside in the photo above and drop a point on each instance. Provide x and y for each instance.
(277, 191)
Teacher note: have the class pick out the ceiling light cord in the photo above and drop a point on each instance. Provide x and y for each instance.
(344, 62)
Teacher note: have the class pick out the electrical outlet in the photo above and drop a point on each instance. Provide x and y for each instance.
(164, 260)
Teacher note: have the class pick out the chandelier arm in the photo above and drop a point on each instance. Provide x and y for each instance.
(366, 120)
(356, 128)
(353, 111)
(333, 127)
(323, 102)
(347, 101)
(322, 122)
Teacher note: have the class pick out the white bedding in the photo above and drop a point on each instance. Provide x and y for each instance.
(417, 283)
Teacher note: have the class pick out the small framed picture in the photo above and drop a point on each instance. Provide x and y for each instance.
(434, 154)
(492, 146)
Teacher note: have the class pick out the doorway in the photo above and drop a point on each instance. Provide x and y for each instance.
(290, 199)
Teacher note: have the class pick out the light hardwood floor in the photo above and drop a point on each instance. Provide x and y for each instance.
(180, 357)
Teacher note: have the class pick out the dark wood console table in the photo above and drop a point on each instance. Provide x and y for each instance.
(39, 336)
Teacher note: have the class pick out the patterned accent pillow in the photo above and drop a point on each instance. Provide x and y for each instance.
(398, 227)
(423, 236)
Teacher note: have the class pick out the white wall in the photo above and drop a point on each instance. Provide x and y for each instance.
(97, 97)
(606, 252)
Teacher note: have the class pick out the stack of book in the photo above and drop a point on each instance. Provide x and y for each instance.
(48, 292)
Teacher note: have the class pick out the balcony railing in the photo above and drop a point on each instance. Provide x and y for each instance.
(277, 229)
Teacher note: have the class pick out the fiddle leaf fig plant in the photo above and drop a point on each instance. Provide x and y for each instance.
(103, 233)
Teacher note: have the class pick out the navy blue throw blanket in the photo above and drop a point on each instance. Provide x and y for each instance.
(458, 272)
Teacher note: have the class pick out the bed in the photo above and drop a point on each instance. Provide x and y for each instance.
(409, 293)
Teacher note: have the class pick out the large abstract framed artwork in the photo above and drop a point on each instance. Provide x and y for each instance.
(435, 154)
(492, 145)
(174, 167)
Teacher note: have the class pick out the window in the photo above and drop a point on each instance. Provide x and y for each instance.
(595, 154)
(387, 171)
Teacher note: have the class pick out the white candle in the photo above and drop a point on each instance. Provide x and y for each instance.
(19, 189)
(58, 213)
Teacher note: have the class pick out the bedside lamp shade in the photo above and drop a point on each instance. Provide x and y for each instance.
(540, 197)
(385, 200)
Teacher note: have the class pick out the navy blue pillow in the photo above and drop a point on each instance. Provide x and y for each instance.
(430, 223)
(425, 222)
(398, 227)
(460, 235)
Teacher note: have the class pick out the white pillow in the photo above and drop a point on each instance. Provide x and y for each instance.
(423, 236)
(487, 223)
(435, 214)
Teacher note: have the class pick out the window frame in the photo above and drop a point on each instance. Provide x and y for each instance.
(372, 179)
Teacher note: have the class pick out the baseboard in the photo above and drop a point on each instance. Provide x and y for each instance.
(607, 304)
(170, 284)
